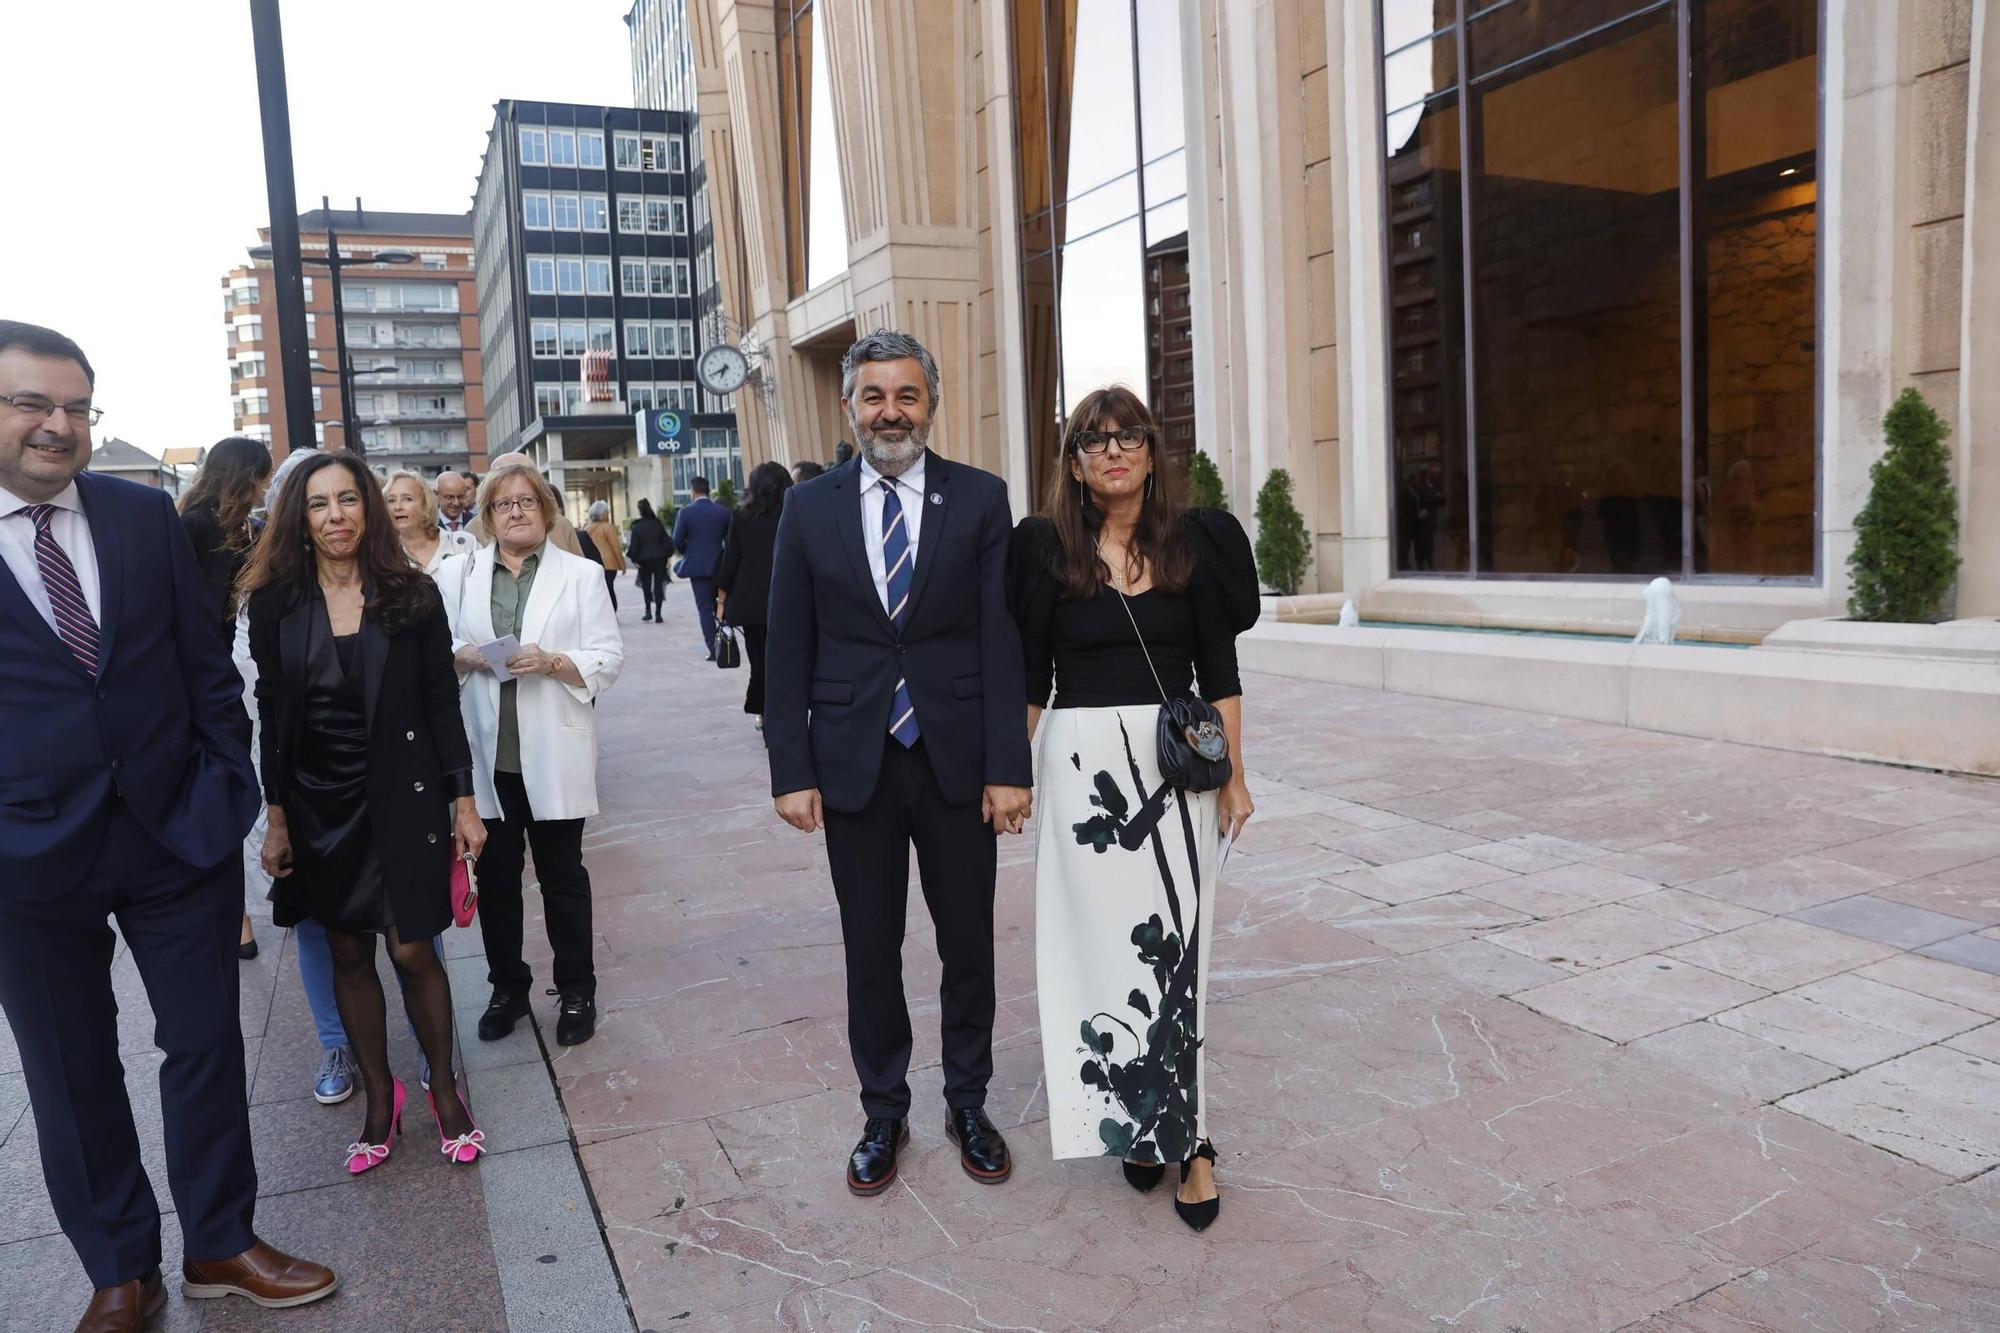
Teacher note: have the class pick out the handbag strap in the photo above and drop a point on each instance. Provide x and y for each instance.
(1126, 602)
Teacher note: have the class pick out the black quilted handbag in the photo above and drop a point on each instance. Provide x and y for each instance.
(728, 647)
(1194, 749)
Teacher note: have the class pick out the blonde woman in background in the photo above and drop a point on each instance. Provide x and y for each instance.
(413, 509)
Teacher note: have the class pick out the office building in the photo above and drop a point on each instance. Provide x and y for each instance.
(412, 340)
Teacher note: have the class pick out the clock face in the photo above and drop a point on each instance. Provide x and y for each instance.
(722, 369)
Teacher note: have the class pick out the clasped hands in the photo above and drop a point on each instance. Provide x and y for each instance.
(1007, 809)
(530, 660)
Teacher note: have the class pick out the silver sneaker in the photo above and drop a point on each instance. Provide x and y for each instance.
(335, 1081)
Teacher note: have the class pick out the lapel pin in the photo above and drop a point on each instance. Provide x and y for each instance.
(936, 499)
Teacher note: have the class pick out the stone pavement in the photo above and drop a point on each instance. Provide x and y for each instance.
(1516, 1023)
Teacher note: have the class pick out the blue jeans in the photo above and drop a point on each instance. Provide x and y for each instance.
(316, 972)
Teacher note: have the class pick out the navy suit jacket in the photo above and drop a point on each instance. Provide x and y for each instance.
(162, 726)
(833, 656)
(699, 531)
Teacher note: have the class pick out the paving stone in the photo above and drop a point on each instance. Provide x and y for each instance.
(1935, 1106)
(1791, 884)
(1850, 1021)
(1982, 1042)
(1596, 937)
(1450, 918)
(1529, 852)
(1779, 954)
(1754, 1070)
(1695, 910)
(1895, 923)
(1565, 889)
(1955, 984)
(1971, 892)
(1977, 951)
(1419, 877)
(1637, 997)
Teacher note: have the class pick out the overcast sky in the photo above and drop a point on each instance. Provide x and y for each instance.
(137, 123)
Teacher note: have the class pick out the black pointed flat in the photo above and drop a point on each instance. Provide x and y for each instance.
(1143, 1176)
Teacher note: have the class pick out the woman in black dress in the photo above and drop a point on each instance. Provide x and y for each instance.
(367, 773)
(650, 547)
(743, 581)
(1124, 597)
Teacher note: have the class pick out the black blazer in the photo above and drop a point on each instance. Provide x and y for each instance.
(833, 656)
(649, 541)
(418, 758)
(746, 567)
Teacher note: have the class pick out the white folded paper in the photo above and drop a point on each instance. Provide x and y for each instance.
(496, 654)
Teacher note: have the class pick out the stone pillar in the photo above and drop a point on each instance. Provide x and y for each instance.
(1978, 439)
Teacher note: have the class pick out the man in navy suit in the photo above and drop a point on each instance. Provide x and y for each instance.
(699, 531)
(896, 714)
(125, 791)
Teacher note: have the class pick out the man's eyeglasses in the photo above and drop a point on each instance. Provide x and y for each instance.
(518, 504)
(1097, 441)
(34, 405)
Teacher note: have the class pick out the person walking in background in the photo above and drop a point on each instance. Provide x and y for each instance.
(650, 547)
(413, 509)
(534, 738)
(611, 554)
(892, 667)
(215, 510)
(699, 531)
(454, 501)
(743, 581)
(367, 775)
(125, 791)
(806, 471)
(1124, 599)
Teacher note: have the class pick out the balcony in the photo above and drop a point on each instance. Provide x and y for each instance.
(444, 302)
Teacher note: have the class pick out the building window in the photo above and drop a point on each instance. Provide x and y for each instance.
(548, 400)
(541, 275)
(568, 214)
(638, 338)
(597, 277)
(535, 211)
(590, 149)
(1601, 350)
(572, 399)
(632, 277)
(562, 148)
(639, 397)
(534, 146)
(659, 221)
(544, 336)
(601, 336)
(572, 338)
(596, 213)
(569, 276)
(666, 344)
(677, 208)
(625, 151)
(631, 214)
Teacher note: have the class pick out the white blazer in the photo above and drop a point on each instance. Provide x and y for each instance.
(450, 544)
(569, 612)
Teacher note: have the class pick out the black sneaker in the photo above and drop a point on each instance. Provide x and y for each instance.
(576, 1018)
(503, 1011)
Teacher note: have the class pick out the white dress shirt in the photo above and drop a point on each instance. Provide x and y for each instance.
(910, 491)
(71, 531)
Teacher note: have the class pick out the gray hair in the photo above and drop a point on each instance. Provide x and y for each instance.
(286, 466)
(887, 345)
(599, 509)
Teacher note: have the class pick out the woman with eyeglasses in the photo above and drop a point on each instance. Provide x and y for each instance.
(1124, 600)
(545, 616)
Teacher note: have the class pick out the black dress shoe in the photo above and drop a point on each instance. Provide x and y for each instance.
(981, 1150)
(871, 1167)
(576, 1018)
(1198, 1215)
(247, 949)
(1143, 1176)
(503, 1011)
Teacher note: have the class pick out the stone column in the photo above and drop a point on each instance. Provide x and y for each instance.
(1978, 440)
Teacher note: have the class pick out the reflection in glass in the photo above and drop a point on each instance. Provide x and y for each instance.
(1754, 485)
(1415, 72)
(1576, 299)
(1100, 95)
(1500, 34)
(826, 225)
(795, 67)
(1403, 21)
(1103, 313)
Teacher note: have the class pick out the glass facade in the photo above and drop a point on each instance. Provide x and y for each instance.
(1102, 157)
(1602, 264)
(815, 207)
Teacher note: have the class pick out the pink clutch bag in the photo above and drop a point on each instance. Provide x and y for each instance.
(464, 892)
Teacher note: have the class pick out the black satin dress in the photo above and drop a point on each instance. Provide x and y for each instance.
(336, 879)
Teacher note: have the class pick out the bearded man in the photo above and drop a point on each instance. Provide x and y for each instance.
(893, 716)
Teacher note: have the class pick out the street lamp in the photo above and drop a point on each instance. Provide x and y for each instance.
(334, 263)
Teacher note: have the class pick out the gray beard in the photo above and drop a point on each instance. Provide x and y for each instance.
(888, 457)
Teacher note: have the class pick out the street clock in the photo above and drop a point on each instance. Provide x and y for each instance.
(722, 369)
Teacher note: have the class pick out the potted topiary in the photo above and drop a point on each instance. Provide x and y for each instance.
(1284, 548)
(725, 494)
(1205, 483)
(1906, 537)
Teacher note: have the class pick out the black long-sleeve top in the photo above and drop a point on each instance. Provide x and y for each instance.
(1087, 650)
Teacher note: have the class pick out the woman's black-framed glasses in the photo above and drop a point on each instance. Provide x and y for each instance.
(1097, 441)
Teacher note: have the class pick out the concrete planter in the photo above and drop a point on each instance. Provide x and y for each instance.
(1950, 640)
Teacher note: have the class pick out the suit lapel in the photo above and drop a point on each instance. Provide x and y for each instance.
(374, 663)
(295, 646)
(937, 504)
(14, 601)
(847, 512)
(542, 595)
(107, 536)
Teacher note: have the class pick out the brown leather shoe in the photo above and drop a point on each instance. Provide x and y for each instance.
(124, 1308)
(261, 1275)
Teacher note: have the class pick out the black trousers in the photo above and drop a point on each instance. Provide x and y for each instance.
(611, 586)
(753, 648)
(653, 582)
(558, 848)
(956, 857)
(55, 985)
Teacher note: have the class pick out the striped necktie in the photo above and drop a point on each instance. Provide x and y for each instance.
(74, 623)
(899, 563)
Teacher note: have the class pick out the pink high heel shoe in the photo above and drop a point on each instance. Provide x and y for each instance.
(464, 1149)
(363, 1156)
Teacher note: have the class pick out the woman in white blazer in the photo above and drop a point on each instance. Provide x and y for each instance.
(534, 737)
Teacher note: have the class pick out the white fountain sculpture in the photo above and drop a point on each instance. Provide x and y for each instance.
(1349, 617)
(1663, 613)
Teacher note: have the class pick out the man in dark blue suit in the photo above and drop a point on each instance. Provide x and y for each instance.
(699, 531)
(896, 714)
(125, 791)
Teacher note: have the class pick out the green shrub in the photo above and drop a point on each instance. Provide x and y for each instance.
(1205, 483)
(1906, 537)
(1284, 548)
(725, 494)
